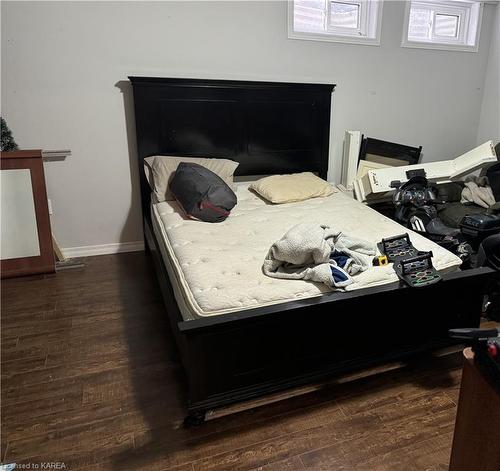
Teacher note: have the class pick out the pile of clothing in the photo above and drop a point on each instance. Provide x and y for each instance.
(319, 253)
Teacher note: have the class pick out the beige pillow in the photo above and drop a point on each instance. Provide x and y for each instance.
(160, 169)
(290, 188)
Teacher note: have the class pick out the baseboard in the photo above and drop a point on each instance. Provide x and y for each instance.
(89, 250)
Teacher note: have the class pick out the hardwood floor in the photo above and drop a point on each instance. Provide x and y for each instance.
(90, 378)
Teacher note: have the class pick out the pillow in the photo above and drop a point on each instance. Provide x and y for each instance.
(160, 170)
(290, 188)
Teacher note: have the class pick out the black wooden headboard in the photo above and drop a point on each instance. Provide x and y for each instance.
(268, 127)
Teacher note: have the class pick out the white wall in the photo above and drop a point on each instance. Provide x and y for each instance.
(489, 123)
(61, 61)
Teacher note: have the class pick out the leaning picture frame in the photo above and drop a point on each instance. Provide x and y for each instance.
(26, 247)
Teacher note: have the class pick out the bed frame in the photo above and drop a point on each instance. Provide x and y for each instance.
(275, 128)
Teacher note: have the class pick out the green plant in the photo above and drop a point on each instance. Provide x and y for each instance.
(8, 143)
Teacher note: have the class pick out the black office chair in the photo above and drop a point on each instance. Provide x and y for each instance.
(489, 256)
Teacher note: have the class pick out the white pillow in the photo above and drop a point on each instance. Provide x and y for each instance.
(293, 187)
(160, 169)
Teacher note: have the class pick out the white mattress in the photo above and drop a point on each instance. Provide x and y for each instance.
(216, 268)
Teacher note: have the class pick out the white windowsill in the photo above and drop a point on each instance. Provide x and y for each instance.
(439, 46)
(335, 39)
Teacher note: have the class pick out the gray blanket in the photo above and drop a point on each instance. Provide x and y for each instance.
(318, 253)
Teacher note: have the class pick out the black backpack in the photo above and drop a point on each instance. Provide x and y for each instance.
(202, 193)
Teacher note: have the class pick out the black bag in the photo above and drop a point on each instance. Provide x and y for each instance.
(202, 193)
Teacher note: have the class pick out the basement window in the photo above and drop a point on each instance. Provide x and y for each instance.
(451, 25)
(349, 21)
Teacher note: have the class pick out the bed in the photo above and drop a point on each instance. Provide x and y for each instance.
(240, 334)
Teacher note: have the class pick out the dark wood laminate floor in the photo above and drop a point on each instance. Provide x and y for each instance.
(90, 379)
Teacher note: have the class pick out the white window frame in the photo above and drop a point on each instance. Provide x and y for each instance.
(446, 7)
(462, 27)
(345, 35)
(340, 31)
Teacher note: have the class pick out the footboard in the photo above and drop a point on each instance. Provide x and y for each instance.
(237, 357)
